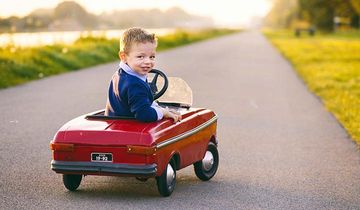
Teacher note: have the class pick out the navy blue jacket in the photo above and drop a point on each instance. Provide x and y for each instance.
(131, 97)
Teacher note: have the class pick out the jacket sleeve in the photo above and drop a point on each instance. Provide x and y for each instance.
(140, 104)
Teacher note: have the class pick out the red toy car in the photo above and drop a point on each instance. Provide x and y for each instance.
(95, 144)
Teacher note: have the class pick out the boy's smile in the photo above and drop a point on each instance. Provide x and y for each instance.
(141, 57)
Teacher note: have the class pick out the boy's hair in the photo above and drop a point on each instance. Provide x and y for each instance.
(135, 35)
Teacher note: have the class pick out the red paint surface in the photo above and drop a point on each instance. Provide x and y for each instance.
(113, 136)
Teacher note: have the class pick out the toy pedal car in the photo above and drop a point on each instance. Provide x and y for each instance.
(94, 144)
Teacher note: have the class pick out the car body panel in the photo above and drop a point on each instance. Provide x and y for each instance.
(134, 144)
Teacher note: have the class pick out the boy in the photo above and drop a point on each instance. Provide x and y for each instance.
(129, 94)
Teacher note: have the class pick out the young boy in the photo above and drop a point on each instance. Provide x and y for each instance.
(129, 94)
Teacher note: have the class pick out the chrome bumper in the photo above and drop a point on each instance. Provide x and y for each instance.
(103, 168)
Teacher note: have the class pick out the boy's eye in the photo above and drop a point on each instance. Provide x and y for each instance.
(140, 56)
(152, 57)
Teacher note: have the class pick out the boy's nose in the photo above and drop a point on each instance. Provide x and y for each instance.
(148, 60)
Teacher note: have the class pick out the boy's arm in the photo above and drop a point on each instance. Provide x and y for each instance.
(140, 104)
(158, 110)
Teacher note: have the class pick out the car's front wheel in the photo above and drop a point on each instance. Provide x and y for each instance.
(206, 168)
(166, 182)
(72, 181)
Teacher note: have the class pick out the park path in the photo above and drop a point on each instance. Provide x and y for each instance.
(279, 147)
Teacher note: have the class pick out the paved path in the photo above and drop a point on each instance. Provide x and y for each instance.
(279, 147)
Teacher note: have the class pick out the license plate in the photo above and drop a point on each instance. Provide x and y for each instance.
(101, 157)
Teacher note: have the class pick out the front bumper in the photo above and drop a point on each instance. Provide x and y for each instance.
(103, 168)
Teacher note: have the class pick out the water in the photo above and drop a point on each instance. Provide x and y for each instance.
(62, 37)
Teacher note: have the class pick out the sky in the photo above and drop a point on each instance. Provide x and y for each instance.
(223, 12)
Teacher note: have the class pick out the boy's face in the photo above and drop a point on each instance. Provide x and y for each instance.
(141, 57)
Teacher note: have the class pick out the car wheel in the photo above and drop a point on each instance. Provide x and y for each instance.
(72, 181)
(166, 182)
(206, 168)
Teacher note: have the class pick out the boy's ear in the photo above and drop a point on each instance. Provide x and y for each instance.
(122, 56)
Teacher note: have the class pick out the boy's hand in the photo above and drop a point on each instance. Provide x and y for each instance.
(176, 116)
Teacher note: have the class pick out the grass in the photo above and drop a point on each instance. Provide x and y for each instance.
(20, 65)
(330, 66)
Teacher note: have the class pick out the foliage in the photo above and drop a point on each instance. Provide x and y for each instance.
(356, 5)
(330, 66)
(182, 37)
(19, 65)
(322, 12)
(317, 13)
(282, 14)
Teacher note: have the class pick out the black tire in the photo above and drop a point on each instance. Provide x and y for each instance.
(72, 181)
(206, 168)
(166, 184)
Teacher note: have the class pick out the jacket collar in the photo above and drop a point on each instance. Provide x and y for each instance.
(128, 70)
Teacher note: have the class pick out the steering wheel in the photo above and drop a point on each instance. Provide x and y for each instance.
(153, 83)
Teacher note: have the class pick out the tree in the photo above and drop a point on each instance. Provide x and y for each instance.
(74, 11)
(356, 19)
(282, 14)
(319, 13)
(323, 12)
(356, 6)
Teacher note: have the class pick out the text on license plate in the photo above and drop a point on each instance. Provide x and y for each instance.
(101, 157)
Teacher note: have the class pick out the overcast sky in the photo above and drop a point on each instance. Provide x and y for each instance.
(224, 12)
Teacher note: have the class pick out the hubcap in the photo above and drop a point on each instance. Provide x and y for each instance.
(208, 161)
(170, 175)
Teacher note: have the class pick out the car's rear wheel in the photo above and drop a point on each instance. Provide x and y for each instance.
(166, 182)
(72, 181)
(206, 168)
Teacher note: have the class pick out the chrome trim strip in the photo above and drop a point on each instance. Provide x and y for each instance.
(189, 133)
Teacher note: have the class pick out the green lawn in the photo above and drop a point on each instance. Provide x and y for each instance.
(19, 65)
(330, 66)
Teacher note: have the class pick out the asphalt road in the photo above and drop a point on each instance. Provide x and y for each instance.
(279, 147)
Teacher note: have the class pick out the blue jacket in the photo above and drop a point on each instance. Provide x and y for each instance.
(130, 97)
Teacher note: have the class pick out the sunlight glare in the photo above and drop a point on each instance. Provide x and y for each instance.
(224, 12)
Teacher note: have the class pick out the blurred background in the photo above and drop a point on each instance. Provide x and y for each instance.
(20, 17)
(40, 22)
(325, 15)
